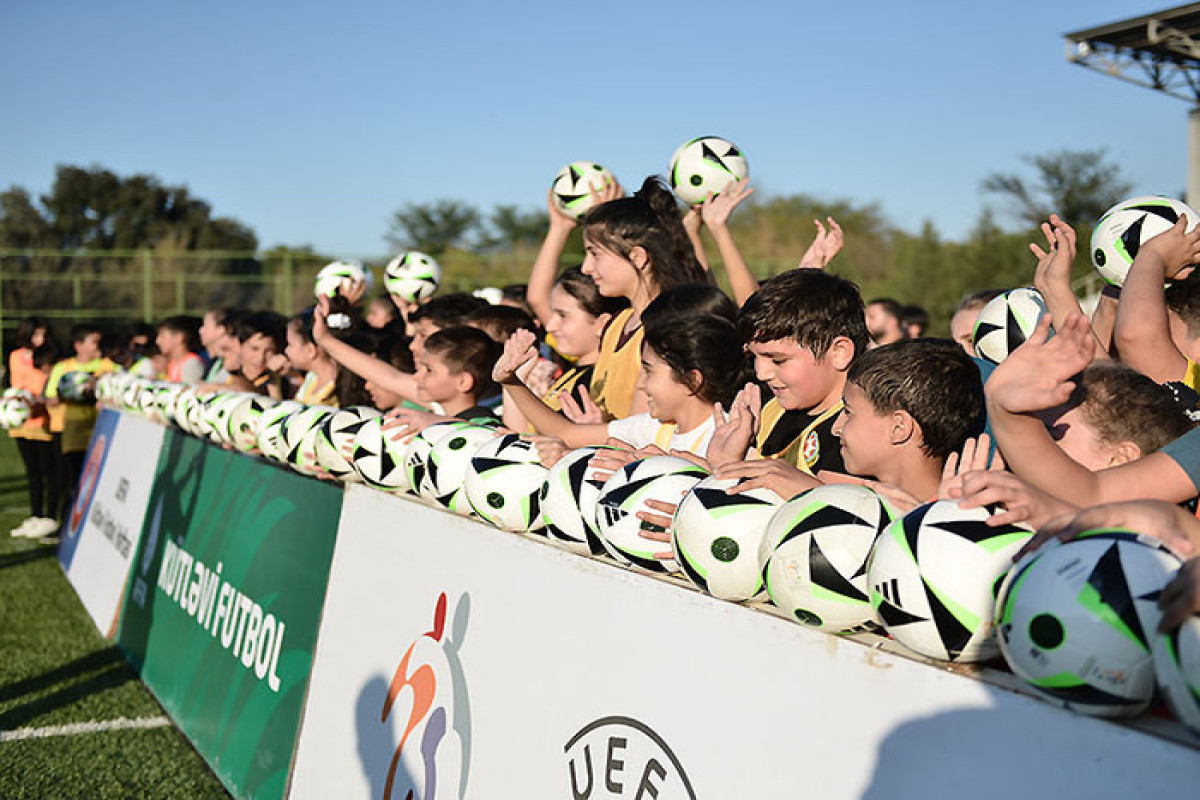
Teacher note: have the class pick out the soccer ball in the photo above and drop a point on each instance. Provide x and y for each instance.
(568, 501)
(1006, 322)
(335, 276)
(217, 412)
(663, 478)
(244, 419)
(76, 387)
(815, 553)
(1177, 665)
(573, 185)
(447, 463)
(706, 165)
(14, 412)
(716, 536)
(270, 429)
(335, 439)
(933, 578)
(195, 423)
(504, 482)
(413, 276)
(1076, 620)
(300, 431)
(419, 447)
(1128, 225)
(379, 460)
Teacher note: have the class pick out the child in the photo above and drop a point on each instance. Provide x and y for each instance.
(686, 370)
(260, 336)
(216, 327)
(178, 341)
(29, 366)
(804, 327)
(636, 247)
(73, 421)
(454, 373)
(962, 324)
(320, 371)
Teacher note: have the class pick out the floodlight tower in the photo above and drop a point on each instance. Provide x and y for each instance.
(1160, 51)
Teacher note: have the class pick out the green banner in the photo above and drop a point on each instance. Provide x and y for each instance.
(224, 603)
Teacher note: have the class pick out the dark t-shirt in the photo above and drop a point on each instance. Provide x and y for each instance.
(803, 439)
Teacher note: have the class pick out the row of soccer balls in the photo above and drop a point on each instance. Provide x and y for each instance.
(16, 405)
(1077, 620)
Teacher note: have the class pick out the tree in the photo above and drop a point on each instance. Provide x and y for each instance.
(1079, 185)
(510, 228)
(433, 227)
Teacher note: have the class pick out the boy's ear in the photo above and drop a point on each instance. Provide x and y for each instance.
(840, 353)
(464, 382)
(904, 428)
(1125, 452)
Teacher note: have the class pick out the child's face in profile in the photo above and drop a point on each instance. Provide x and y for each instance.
(422, 329)
(665, 395)
(1070, 429)
(435, 384)
(614, 276)
(798, 379)
(864, 433)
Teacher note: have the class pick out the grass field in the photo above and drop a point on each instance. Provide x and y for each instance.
(75, 721)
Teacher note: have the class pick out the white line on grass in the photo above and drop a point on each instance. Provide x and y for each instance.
(121, 724)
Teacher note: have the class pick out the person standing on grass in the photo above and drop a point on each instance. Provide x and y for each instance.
(28, 366)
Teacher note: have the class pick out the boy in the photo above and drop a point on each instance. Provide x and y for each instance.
(804, 328)
(260, 336)
(72, 422)
(454, 373)
(178, 339)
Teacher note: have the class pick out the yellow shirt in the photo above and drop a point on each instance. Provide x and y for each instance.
(74, 420)
(615, 375)
(1190, 377)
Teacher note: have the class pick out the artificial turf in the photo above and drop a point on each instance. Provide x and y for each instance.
(56, 669)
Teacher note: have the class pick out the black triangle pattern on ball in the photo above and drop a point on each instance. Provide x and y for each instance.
(983, 329)
(575, 176)
(1131, 238)
(824, 574)
(1108, 579)
(386, 463)
(622, 493)
(353, 427)
(710, 155)
(823, 517)
(973, 530)
(568, 199)
(650, 564)
(912, 526)
(1152, 596)
(1015, 336)
(577, 472)
(1086, 694)
(484, 464)
(719, 498)
(733, 152)
(1166, 212)
(691, 572)
(954, 634)
(894, 615)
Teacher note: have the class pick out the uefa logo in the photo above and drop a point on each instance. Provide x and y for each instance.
(622, 757)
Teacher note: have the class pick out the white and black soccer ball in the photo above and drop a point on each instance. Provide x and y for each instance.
(504, 483)
(447, 464)
(568, 502)
(270, 439)
(378, 459)
(217, 413)
(717, 537)
(1128, 225)
(197, 423)
(573, 186)
(105, 386)
(1006, 322)
(1076, 620)
(335, 441)
(815, 553)
(14, 412)
(663, 478)
(419, 447)
(933, 578)
(1177, 665)
(76, 387)
(244, 419)
(413, 276)
(706, 165)
(300, 432)
(335, 277)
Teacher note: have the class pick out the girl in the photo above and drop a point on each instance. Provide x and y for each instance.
(689, 366)
(635, 248)
(33, 439)
(319, 386)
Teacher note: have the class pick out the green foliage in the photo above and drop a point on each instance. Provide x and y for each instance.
(433, 227)
(1079, 185)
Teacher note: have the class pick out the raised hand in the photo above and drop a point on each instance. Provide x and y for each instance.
(1176, 248)
(828, 244)
(517, 350)
(585, 413)
(717, 208)
(733, 433)
(1036, 375)
(1054, 263)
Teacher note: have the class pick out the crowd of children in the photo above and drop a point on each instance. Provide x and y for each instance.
(784, 386)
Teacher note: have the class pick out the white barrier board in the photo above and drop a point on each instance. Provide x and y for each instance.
(105, 524)
(547, 675)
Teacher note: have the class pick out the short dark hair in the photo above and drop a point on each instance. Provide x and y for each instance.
(890, 306)
(811, 306)
(707, 344)
(691, 300)
(934, 381)
(915, 315)
(448, 310)
(186, 325)
(1183, 297)
(501, 322)
(82, 330)
(267, 323)
(977, 299)
(469, 350)
(1123, 405)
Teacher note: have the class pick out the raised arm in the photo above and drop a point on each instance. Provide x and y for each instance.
(361, 364)
(715, 213)
(824, 247)
(1142, 333)
(1052, 277)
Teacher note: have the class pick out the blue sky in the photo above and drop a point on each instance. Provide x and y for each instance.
(313, 122)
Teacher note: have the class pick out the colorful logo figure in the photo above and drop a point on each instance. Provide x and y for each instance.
(87, 484)
(427, 701)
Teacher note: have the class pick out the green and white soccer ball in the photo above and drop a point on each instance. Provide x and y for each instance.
(717, 536)
(335, 441)
(706, 165)
(568, 502)
(14, 412)
(217, 413)
(1076, 620)
(573, 186)
(196, 422)
(76, 387)
(270, 439)
(1177, 665)
(815, 552)
(504, 483)
(933, 578)
(663, 478)
(1006, 322)
(413, 276)
(300, 432)
(1124, 228)
(335, 277)
(418, 448)
(447, 464)
(378, 459)
(245, 418)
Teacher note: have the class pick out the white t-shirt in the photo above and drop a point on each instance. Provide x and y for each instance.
(642, 430)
